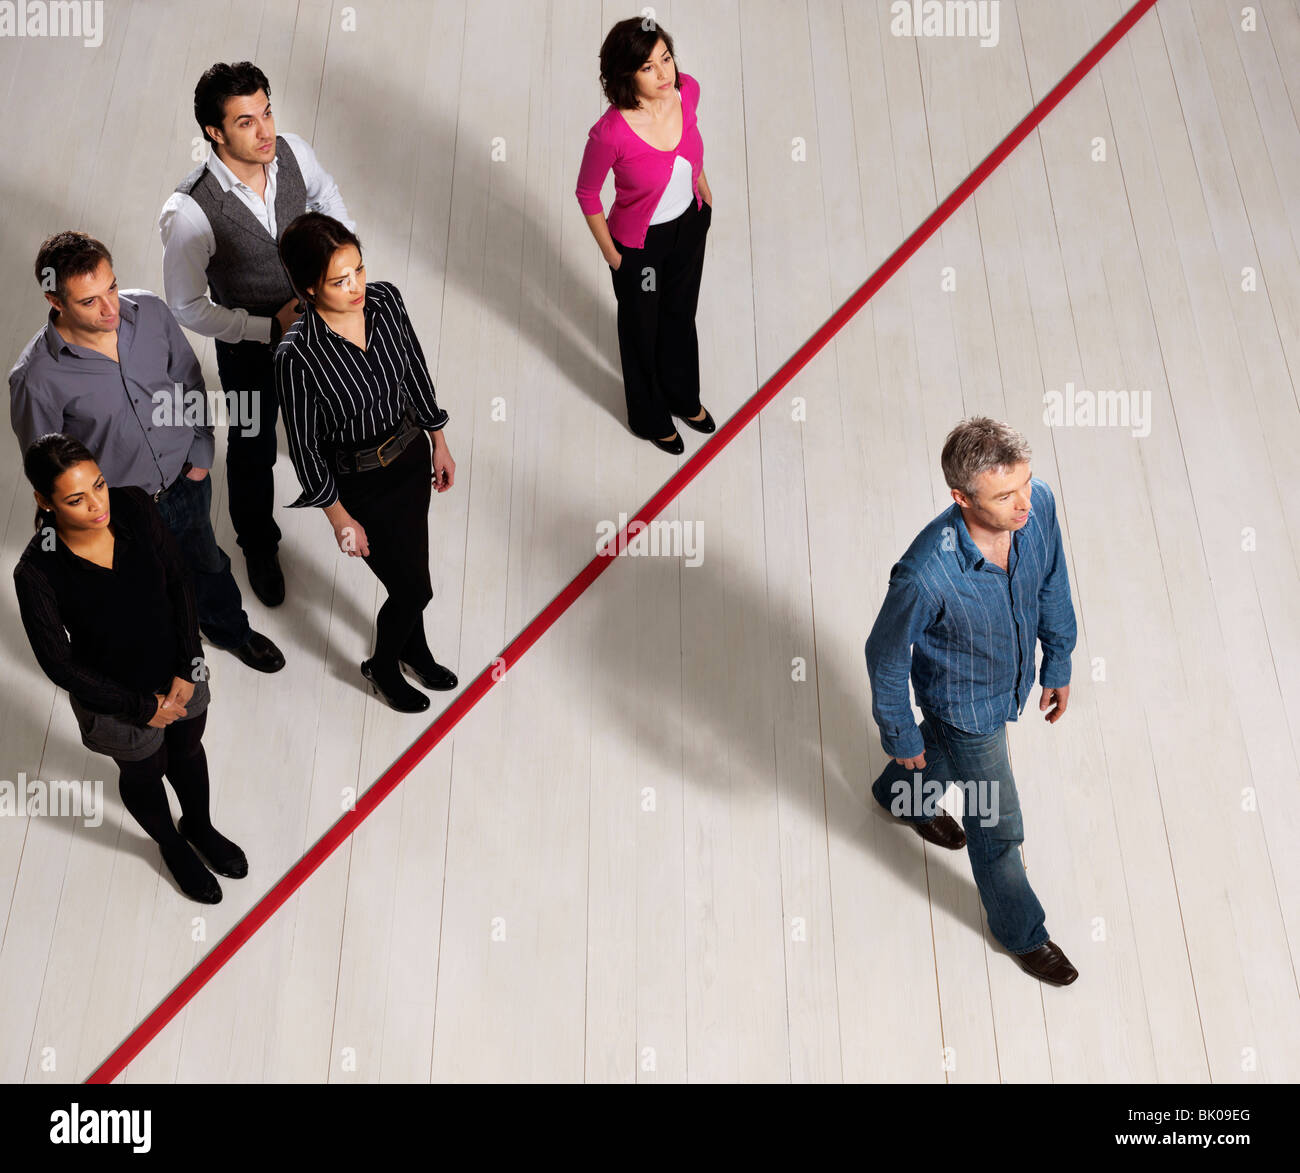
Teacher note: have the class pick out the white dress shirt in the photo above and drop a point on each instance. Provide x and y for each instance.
(188, 243)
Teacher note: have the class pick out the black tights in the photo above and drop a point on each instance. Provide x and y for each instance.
(399, 633)
(182, 759)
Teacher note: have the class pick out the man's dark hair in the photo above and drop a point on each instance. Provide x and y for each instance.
(628, 46)
(68, 254)
(221, 82)
(307, 247)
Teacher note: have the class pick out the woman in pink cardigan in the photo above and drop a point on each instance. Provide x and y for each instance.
(654, 239)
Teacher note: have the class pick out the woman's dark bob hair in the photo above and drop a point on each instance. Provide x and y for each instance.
(628, 46)
(48, 458)
(307, 247)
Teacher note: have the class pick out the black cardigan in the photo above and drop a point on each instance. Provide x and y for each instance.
(132, 628)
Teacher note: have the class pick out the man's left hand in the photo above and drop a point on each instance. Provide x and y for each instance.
(1056, 699)
(197, 474)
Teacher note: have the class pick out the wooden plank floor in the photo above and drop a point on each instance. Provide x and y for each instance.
(650, 853)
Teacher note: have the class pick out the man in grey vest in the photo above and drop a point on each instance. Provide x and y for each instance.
(223, 278)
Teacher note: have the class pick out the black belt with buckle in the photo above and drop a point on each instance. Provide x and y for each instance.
(161, 493)
(381, 455)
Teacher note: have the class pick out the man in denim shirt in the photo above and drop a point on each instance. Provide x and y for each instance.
(980, 585)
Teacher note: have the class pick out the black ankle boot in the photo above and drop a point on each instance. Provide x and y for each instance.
(390, 688)
(188, 871)
(222, 856)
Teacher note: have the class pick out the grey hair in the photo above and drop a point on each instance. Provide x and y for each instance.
(976, 445)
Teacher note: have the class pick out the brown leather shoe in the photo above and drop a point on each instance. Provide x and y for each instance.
(943, 831)
(1048, 964)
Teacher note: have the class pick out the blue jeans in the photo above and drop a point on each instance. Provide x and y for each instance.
(978, 763)
(187, 512)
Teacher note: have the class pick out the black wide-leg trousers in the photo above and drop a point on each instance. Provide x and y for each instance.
(658, 288)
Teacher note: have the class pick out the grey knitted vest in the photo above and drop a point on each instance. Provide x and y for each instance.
(245, 271)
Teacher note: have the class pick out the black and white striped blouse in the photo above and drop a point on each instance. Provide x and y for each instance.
(333, 392)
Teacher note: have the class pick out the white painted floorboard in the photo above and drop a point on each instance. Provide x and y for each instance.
(650, 853)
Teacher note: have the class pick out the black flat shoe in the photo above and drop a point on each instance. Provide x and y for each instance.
(704, 425)
(396, 694)
(260, 654)
(673, 447)
(433, 675)
(189, 873)
(266, 578)
(222, 856)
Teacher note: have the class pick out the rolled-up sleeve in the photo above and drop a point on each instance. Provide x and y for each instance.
(1057, 629)
(597, 159)
(906, 612)
(296, 390)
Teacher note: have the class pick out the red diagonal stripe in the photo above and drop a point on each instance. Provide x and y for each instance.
(265, 908)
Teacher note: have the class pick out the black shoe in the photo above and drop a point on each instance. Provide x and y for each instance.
(432, 674)
(260, 654)
(222, 856)
(265, 577)
(704, 425)
(673, 447)
(395, 692)
(188, 871)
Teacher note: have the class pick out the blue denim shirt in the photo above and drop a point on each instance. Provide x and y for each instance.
(964, 629)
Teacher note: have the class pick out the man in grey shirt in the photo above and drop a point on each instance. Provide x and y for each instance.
(114, 371)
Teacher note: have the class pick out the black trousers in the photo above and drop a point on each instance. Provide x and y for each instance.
(247, 370)
(658, 287)
(392, 505)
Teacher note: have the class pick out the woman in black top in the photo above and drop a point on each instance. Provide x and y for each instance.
(356, 398)
(109, 610)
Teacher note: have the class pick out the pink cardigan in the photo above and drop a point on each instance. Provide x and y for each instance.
(641, 172)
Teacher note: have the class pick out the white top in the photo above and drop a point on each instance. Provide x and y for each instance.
(678, 195)
(188, 243)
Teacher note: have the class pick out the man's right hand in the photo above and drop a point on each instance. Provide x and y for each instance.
(916, 763)
(167, 712)
(287, 314)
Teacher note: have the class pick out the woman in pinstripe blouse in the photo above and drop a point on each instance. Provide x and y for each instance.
(357, 400)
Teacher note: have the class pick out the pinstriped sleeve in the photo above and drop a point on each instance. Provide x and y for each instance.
(296, 390)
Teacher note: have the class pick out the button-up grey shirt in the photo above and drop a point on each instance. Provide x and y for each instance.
(139, 427)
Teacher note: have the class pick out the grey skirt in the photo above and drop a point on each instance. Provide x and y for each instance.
(120, 739)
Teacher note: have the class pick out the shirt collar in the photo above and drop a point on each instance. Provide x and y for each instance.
(56, 343)
(228, 179)
(969, 555)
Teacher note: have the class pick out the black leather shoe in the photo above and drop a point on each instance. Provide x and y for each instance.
(1048, 964)
(189, 873)
(265, 577)
(432, 675)
(705, 425)
(260, 654)
(396, 693)
(673, 447)
(222, 856)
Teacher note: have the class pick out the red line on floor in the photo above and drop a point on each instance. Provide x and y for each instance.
(265, 908)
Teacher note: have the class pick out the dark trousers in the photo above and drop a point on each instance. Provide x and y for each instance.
(392, 505)
(247, 371)
(187, 511)
(658, 287)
